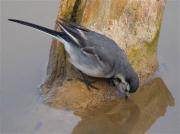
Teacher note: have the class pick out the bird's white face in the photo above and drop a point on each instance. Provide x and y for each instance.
(121, 84)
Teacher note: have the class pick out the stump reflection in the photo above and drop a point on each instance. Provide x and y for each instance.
(134, 116)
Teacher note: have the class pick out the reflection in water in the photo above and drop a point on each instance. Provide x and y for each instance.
(135, 115)
(118, 117)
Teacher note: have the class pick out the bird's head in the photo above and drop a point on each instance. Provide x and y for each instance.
(126, 84)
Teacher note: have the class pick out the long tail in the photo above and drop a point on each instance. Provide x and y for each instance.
(57, 35)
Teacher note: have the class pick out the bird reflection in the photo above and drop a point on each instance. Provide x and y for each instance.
(133, 116)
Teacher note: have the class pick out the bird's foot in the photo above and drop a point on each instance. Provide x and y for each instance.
(88, 83)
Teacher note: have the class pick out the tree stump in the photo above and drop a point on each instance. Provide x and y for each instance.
(133, 24)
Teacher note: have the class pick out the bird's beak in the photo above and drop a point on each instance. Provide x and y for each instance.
(126, 95)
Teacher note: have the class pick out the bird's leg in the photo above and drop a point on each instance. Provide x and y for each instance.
(110, 81)
(88, 83)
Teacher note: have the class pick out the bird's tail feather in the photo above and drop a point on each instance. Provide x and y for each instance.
(58, 35)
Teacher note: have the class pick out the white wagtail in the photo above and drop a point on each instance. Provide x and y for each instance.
(94, 54)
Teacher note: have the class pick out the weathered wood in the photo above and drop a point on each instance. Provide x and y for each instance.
(133, 24)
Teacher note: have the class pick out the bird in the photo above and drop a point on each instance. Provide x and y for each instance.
(93, 54)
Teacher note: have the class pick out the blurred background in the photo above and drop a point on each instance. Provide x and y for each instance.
(23, 59)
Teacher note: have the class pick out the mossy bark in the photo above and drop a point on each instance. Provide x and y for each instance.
(133, 24)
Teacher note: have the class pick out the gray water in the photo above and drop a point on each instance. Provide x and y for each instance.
(23, 57)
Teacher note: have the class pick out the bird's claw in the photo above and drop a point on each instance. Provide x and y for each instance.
(89, 84)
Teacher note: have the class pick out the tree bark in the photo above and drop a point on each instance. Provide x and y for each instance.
(133, 24)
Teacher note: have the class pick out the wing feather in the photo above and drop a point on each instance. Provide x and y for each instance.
(76, 32)
(90, 51)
